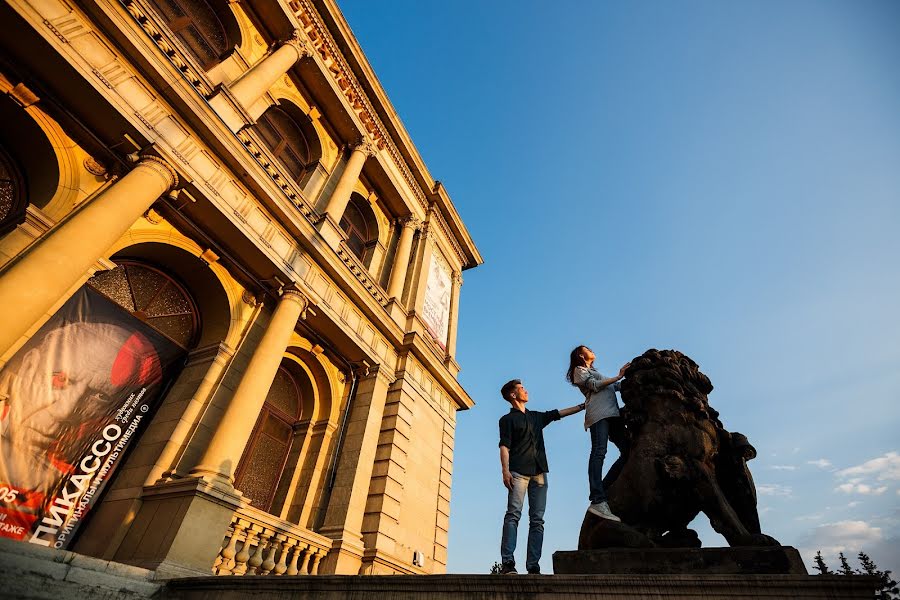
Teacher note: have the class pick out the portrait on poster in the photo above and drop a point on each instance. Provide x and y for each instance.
(436, 310)
(72, 400)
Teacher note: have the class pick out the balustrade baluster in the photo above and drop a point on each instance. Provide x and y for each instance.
(304, 565)
(257, 559)
(269, 563)
(284, 547)
(244, 554)
(297, 550)
(314, 567)
(225, 561)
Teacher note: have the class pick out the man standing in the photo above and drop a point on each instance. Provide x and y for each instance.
(523, 461)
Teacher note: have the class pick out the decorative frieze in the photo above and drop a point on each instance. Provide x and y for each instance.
(168, 47)
(360, 272)
(324, 46)
(274, 171)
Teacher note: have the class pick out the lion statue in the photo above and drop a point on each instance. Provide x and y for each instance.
(678, 460)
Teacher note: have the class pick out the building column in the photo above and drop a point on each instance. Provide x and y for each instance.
(234, 106)
(55, 263)
(423, 262)
(337, 203)
(401, 257)
(343, 520)
(454, 315)
(230, 438)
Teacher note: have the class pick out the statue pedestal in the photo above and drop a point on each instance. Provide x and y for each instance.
(766, 560)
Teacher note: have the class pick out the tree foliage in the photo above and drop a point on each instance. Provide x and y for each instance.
(820, 566)
(887, 587)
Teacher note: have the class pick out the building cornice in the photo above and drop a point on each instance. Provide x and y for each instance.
(368, 112)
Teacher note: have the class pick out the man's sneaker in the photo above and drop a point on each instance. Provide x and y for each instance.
(534, 571)
(508, 568)
(601, 509)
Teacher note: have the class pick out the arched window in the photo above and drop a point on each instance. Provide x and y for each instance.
(12, 194)
(357, 223)
(286, 140)
(267, 451)
(153, 297)
(199, 27)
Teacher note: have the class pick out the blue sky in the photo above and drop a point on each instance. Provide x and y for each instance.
(719, 178)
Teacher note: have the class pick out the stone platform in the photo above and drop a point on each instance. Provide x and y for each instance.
(36, 573)
(516, 587)
(768, 560)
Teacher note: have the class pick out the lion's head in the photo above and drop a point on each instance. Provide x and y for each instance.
(665, 382)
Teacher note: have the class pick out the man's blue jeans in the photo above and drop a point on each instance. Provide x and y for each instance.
(599, 441)
(536, 488)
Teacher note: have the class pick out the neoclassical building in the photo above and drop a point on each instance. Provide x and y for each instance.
(229, 292)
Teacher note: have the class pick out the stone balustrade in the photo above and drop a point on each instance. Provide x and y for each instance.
(362, 274)
(258, 543)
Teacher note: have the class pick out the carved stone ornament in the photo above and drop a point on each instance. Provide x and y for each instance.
(365, 146)
(410, 221)
(297, 41)
(153, 217)
(158, 164)
(94, 167)
(292, 293)
(249, 298)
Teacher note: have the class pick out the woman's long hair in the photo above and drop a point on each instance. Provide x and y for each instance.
(574, 361)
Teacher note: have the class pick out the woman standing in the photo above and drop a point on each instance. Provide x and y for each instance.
(601, 414)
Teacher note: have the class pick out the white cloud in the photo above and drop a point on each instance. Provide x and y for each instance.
(822, 463)
(853, 504)
(851, 537)
(883, 468)
(783, 467)
(843, 536)
(861, 488)
(774, 489)
(813, 517)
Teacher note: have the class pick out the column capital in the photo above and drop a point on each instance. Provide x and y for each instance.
(161, 166)
(409, 221)
(299, 44)
(457, 278)
(365, 146)
(291, 293)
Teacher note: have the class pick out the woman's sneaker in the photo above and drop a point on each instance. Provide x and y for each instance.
(508, 568)
(601, 509)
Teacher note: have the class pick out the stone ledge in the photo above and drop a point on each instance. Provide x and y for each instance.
(35, 572)
(514, 587)
(768, 560)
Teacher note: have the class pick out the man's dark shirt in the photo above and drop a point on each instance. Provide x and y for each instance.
(523, 434)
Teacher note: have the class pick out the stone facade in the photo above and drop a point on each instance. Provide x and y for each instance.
(245, 152)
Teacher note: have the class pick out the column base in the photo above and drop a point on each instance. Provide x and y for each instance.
(180, 527)
(330, 230)
(346, 555)
(397, 312)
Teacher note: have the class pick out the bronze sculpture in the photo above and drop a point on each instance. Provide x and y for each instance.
(679, 461)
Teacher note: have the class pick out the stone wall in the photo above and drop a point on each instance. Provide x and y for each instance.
(30, 571)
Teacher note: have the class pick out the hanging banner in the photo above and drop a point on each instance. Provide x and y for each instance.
(72, 400)
(436, 310)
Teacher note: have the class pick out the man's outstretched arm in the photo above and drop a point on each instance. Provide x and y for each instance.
(565, 412)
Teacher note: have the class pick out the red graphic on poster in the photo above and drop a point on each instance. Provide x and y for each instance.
(72, 399)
